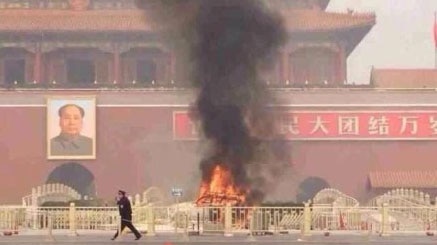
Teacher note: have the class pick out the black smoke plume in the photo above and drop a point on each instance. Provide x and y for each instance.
(229, 42)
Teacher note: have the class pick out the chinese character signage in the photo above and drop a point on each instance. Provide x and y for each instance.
(337, 125)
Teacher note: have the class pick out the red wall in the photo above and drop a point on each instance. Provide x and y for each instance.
(346, 164)
(135, 149)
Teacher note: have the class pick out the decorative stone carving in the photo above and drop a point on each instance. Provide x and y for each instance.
(79, 4)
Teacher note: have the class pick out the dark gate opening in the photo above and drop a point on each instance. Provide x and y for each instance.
(309, 187)
(146, 71)
(76, 176)
(14, 70)
(81, 71)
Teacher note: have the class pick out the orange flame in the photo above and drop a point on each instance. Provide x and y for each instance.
(220, 190)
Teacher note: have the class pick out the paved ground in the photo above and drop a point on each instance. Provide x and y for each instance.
(104, 238)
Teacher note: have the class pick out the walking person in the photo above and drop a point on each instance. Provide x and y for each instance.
(124, 207)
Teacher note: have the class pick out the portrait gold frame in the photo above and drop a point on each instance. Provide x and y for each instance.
(52, 119)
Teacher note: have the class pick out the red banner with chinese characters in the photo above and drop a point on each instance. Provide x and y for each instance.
(337, 125)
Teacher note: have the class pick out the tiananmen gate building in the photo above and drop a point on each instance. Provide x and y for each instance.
(106, 56)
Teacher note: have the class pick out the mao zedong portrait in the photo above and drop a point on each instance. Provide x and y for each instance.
(70, 142)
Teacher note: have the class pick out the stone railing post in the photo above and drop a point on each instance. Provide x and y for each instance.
(252, 220)
(335, 225)
(427, 199)
(137, 200)
(150, 221)
(384, 220)
(50, 237)
(34, 208)
(72, 219)
(38, 191)
(62, 188)
(33, 198)
(228, 220)
(306, 226)
(44, 190)
(119, 228)
(144, 198)
(14, 226)
(411, 193)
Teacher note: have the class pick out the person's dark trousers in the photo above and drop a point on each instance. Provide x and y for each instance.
(129, 224)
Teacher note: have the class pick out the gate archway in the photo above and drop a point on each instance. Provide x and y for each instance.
(76, 176)
(309, 187)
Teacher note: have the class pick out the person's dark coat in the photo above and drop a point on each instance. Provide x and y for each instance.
(124, 208)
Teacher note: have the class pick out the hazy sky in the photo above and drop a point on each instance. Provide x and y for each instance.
(401, 38)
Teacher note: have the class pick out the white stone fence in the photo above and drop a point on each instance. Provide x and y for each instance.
(307, 220)
(330, 196)
(403, 197)
(152, 196)
(50, 193)
(186, 218)
(63, 193)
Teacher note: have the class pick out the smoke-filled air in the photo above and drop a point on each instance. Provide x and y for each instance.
(229, 43)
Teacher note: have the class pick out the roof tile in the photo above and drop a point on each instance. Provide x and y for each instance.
(68, 20)
(136, 20)
(404, 78)
(316, 20)
(405, 179)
